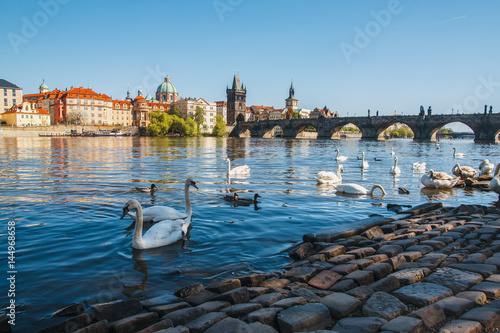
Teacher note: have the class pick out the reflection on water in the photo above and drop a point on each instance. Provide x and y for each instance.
(67, 195)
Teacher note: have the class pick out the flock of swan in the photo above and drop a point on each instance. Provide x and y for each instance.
(171, 225)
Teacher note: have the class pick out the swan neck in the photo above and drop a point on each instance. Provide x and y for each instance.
(138, 226)
(497, 170)
(376, 186)
(187, 199)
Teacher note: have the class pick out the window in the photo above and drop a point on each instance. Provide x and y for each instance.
(5, 91)
(5, 102)
(13, 92)
(14, 102)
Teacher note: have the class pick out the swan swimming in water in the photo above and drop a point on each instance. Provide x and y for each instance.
(419, 167)
(146, 189)
(160, 234)
(457, 155)
(160, 213)
(495, 181)
(392, 151)
(485, 168)
(364, 164)
(340, 158)
(438, 180)
(463, 172)
(242, 170)
(356, 189)
(395, 170)
(328, 177)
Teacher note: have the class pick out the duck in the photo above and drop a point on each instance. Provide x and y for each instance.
(248, 201)
(434, 179)
(242, 170)
(328, 177)
(340, 158)
(419, 167)
(402, 190)
(160, 213)
(163, 233)
(356, 189)
(364, 164)
(146, 189)
(233, 197)
(457, 155)
(463, 172)
(485, 168)
(395, 170)
(495, 181)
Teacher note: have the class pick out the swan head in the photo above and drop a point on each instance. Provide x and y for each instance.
(228, 160)
(190, 182)
(341, 168)
(130, 205)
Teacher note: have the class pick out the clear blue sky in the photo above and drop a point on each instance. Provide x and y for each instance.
(348, 55)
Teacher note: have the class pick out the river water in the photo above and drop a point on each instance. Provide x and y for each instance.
(66, 196)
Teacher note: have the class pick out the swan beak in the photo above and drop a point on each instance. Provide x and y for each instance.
(193, 184)
(125, 211)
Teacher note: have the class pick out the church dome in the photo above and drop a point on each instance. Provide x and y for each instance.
(166, 87)
(43, 87)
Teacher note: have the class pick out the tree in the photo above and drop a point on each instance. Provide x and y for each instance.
(160, 123)
(178, 126)
(191, 127)
(199, 117)
(75, 118)
(174, 111)
(220, 126)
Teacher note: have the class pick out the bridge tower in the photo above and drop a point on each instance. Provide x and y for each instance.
(236, 101)
(291, 102)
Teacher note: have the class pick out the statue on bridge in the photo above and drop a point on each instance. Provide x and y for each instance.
(422, 112)
(485, 108)
(491, 110)
(429, 111)
(368, 112)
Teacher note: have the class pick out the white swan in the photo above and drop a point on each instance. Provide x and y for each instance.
(392, 151)
(395, 170)
(419, 167)
(160, 234)
(495, 181)
(457, 155)
(463, 172)
(358, 189)
(160, 213)
(340, 158)
(242, 170)
(485, 168)
(438, 180)
(364, 164)
(329, 178)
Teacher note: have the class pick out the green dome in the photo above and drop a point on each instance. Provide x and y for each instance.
(166, 87)
(44, 86)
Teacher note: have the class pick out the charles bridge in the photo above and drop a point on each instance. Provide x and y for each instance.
(425, 127)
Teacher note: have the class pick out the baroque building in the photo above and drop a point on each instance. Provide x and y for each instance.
(167, 92)
(236, 101)
(12, 94)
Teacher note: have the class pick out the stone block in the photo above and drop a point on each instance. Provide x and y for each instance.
(483, 269)
(431, 315)
(373, 232)
(455, 306)
(74, 323)
(307, 317)
(477, 297)
(224, 285)
(116, 310)
(410, 275)
(289, 302)
(380, 270)
(267, 316)
(70, 310)
(359, 325)
(240, 310)
(325, 279)
(462, 326)
(232, 325)
(167, 308)
(188, 290)
(362, 252)
(362, 263)
(184, 316)
(306, 293)
(333, 251)
(214, 306)
(422, 294)
(301, 274)
(275, 283)
(234, 296)
(134, 323)
(345, 269)
(341, 259)
(490, 289)
(200, 297)
(412, 256)
(161, 325)
(361, 277)
(302, 251)
(456, 280)
(99, 327)
(202, 323)
(343, 285)
(252, 280)
(396, 261)
(362, 292)
(488, 317)
(267, 299)
(383, 305)
(261, 328)
(341, 305)
(387, 284)
(403, 324)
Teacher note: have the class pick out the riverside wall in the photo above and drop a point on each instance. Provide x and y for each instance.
(10, 131)
(428, 269)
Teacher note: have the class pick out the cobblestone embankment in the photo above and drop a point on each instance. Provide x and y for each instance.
(434, 270)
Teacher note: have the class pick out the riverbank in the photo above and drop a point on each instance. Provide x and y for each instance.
(58, 130)
(434, 269)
